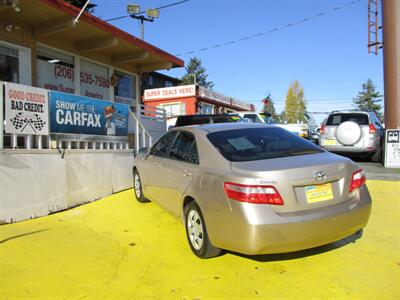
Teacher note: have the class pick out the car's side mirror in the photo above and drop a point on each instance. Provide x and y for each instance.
(143, 152)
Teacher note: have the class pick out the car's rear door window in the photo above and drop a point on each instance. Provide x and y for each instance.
(260, 143)
(184, 148)
(337, 119)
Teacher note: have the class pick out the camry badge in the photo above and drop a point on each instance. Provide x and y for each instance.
(320, 176)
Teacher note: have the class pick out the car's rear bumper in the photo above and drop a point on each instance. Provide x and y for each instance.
(351, 149)
(292, 232)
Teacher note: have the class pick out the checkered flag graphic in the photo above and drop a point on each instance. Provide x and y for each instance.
(21, 121)
(37, 122)
(18, 121)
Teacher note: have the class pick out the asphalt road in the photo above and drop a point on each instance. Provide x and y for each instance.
(377, 171)
(116, 248)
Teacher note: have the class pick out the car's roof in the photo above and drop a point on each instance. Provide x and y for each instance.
(225, 126)
(350, 112)
(202, 116)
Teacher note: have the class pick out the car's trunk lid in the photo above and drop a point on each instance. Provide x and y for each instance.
(295, 178)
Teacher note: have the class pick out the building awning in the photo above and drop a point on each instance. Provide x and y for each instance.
(51, 22)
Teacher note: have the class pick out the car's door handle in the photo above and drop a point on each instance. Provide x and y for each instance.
(186, 173)
(159, 165)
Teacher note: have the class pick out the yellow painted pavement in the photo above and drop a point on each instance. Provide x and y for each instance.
(116, 248)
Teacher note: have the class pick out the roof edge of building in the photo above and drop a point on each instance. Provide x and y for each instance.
(89, 18)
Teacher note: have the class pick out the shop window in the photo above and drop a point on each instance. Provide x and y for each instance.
(174, 109)
(9, 65)
(55, 70)
(206, 109)
(94, 79)
(168, 84)
(124, 87)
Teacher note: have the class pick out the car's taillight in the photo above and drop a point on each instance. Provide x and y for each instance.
(321, 131)
(357, 180)
(259, 194)
(372, 128)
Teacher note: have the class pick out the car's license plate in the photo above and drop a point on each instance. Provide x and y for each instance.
(330, 142)
(318, 193)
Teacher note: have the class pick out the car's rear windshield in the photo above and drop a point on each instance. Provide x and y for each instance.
(249, 144)
(337, 119)
(197, 120)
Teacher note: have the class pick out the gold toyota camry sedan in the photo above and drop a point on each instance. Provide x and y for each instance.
(252, 189)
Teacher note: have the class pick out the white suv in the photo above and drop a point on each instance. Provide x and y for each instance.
(353, 132)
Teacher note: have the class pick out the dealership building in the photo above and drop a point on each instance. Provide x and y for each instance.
(42, 46)
(193, 99)
(70, 106)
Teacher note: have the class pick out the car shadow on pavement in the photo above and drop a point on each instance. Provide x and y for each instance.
(22, 235)
(303, 253)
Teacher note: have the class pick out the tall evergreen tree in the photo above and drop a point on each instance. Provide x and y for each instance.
(295, 104)
(194, 70)
(368, 99)
(80, 3)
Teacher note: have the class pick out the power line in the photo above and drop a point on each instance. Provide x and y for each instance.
(271, 30)
(142, 12)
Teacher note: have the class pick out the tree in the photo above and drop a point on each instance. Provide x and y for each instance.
(81, 3)
(295, 104)
(368, 99)
(269, 107)
(195, 70)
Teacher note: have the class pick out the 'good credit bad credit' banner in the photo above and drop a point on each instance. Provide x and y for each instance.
(27, 109)
(81, 115)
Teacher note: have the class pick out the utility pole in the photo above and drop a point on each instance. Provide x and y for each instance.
(135, 13)
(391, 62)
(142, 19)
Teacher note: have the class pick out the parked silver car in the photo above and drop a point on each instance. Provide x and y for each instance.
(252, 188)
(355, 132)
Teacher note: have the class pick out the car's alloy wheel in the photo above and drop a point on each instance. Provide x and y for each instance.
(137, 187)
(196, 232)
(195, 229)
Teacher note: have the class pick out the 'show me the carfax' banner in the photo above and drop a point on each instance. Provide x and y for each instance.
(27, 109)
(82, 115)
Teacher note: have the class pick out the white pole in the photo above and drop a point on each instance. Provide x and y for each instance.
(28, 141)
(143, 137)
(39, 141)
(13, 140)
(82, 10)
(137, 135)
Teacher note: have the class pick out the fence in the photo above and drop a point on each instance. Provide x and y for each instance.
(56, 178)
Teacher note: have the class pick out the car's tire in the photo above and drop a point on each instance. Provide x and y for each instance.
(137, 188)
(196, 232)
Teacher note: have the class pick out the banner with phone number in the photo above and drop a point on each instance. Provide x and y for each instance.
(82, 115)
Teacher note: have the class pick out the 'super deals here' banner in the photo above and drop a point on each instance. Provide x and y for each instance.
(77, 114)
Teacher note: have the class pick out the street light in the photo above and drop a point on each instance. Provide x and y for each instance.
(135, 13)
(152, 13)
(133, 9)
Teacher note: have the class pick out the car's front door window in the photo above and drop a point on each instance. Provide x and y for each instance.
(161, 148)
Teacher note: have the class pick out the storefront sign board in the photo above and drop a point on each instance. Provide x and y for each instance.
(170, 92)
(82, 115)
(27, 109)
(392, 148)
